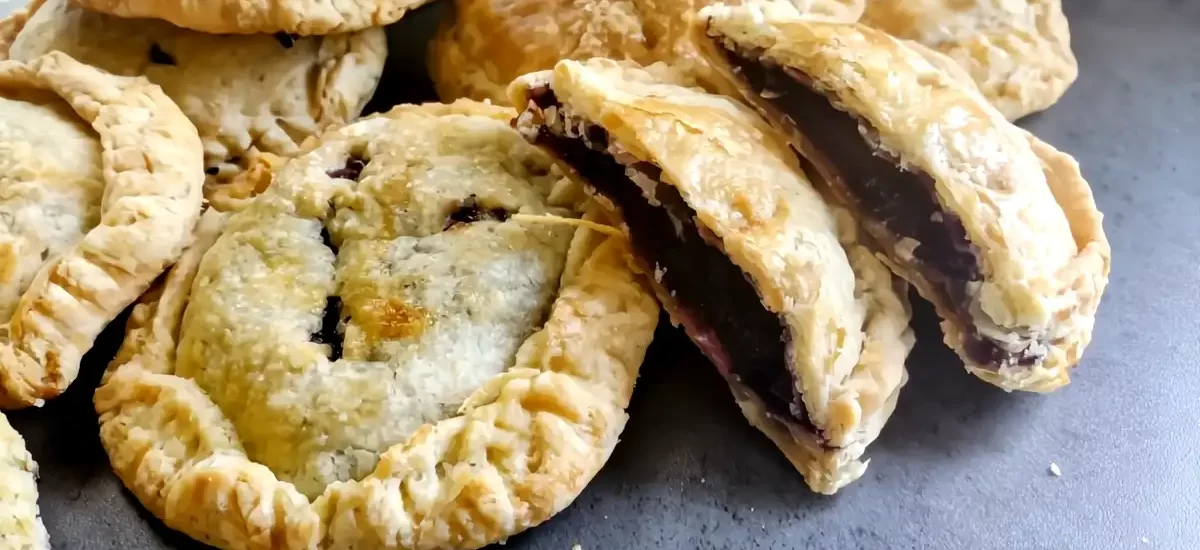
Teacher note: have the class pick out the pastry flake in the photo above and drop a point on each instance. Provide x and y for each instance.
(402, 343)
(299, 17)
(808, 328)
(491, 42)
(998, 229)
(21, 526)
(1017, 52)
(247, 95)
(100, 187)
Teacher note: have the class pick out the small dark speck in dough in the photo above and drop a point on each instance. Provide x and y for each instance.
(351, 171)
(286, 40)
(160, 57)
(470, 211)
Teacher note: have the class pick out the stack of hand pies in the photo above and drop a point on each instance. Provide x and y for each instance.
(422, 328)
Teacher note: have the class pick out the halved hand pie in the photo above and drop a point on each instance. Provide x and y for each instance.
(247, 94)
(808, 328)
(100, 187)
(397, 345)
(1017, 51)
(20, 522)
(490, 42)
(998, 229)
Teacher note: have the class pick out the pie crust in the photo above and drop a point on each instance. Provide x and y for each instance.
(20, 525)
(101, 178)
(1042, 253)
(843, 314)
(1018, 52)
(302, 17)
(468, 404)
(491, 42)
(247, 94)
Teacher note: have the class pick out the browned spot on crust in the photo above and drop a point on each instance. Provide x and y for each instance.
(391, 319)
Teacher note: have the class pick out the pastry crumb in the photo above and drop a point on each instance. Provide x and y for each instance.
(1054, 469)
(701, 480)
(1145, 540)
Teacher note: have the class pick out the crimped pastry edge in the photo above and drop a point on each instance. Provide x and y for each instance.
(153, 169)
(1084, 275)
(570, 386)
(880, 373)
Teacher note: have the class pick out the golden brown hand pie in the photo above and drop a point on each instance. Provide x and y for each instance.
(100, 187)
(491, 42)
(998, 229)
(1017, 51)
(20, 525)
(806, 325)
(303, 17)
(396, 345)
(246, 94)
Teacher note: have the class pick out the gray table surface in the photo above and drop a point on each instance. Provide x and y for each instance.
(960, 465)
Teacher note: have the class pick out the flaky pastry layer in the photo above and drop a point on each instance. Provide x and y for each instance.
(92, 215)
(523, 443)
(845, 321)
(1025, 207)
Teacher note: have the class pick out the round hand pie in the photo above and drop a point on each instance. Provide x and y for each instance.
(304, 17)
(100, 188)
(1017, 52)
(998, 229)
(770, 283)
(491, 42)
(402, 343)
(20, 525)
(245, 94)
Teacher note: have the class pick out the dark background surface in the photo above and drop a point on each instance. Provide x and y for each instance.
(960, 465)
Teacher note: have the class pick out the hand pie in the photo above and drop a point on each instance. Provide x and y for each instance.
(100, 187)
(301, 17)
(20, 525)
(401, 343)
(998, 229)
(1018, 52)
(245, 94)
(491, 42)
(805, 324)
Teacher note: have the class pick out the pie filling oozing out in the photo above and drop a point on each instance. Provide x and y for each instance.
(900, 201)
(710, 296)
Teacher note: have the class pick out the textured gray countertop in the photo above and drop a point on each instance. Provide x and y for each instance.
(960, 465)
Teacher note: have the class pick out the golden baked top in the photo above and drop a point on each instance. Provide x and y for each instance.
(402, 323)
